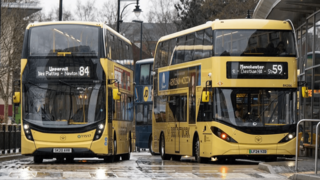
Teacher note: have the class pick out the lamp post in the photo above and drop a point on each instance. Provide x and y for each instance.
(137, 11)
(122, 12)
(60, 11)
(141, 22)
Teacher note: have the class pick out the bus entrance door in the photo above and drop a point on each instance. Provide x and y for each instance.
(177, 137)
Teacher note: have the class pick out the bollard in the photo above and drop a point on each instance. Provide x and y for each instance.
(6, 139)
(18, 138)
(13, 138)
(2, 144)
(9, 138)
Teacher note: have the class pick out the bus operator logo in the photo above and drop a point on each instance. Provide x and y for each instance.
(84, 136)
(146, 93)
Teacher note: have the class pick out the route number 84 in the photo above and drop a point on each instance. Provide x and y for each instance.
(84, 70)
(276, 68)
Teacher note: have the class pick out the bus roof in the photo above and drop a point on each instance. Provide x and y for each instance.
(64, 22)
(99, 24)
(150, 60)
(234, 24)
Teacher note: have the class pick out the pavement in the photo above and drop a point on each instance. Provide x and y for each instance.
(140, 166)
(143, 165)
(286, 167)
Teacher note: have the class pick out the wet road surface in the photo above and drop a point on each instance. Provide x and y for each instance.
(141, 166)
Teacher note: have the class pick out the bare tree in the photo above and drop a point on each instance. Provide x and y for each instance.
(13, 24)
(86, 11)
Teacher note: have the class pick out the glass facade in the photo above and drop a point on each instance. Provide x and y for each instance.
(308, 39)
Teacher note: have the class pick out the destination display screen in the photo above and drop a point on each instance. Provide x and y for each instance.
(257, 70)
(63, 72)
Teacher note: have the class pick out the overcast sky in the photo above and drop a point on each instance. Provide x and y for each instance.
(47, 5)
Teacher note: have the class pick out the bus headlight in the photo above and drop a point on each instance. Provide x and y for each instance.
(288, 137)
(218, 132)
(27, 132)
(99, 131)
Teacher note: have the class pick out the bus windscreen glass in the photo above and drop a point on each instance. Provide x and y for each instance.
(63, 92)
(57, 40)
(255, 107)
(254, 43)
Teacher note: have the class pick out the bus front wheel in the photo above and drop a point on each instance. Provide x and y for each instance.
(37, 159)
(150, 146)
(163, 154)
(199, 159)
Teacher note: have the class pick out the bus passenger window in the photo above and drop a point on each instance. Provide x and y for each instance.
(198, 45)
(207, 43)
(189, 47)
(139, 114)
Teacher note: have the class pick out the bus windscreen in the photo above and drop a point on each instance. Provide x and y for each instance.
(57, 40)
(254, 43)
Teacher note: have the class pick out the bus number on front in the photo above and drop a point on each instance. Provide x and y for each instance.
(84, 71)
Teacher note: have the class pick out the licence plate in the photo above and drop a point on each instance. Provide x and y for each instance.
(62, 150)
(257, 151)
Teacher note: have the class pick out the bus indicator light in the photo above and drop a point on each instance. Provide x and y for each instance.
(224, 136)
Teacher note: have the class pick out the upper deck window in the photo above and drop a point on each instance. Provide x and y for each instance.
(54, 40)
(254, 43)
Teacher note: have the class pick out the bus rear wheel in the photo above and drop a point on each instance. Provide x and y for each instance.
(199, 159)
(37, 159)
(127, 156)
(163, 154)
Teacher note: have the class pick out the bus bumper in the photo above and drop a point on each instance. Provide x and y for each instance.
(224, 148)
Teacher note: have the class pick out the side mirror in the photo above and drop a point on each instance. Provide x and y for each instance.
(153, 73)
(304, 92)
(116, 94)
(16, 98)
(205, 96)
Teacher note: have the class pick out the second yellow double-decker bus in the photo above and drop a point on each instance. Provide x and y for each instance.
(76, 92)
(226, 89)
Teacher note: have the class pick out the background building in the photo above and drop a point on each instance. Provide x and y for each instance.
(305, 16)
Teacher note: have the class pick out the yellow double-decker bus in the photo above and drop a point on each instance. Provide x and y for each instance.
(226, 89)
(76, 92)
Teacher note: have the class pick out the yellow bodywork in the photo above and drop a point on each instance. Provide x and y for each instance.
(122, 129)
(179, 135)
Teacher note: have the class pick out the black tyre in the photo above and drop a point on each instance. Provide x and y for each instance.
(109, 159)
(176, 157)
(37, 159)
(197, 151)
(163, 154)
(150, 146)
(127, 156)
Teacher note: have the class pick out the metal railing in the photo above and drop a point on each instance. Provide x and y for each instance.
(297, 143)
(10, 139)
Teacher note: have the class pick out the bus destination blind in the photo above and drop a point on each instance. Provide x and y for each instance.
(63, 72)
(257, 70)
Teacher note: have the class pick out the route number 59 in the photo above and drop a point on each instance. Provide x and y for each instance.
(277, 68)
